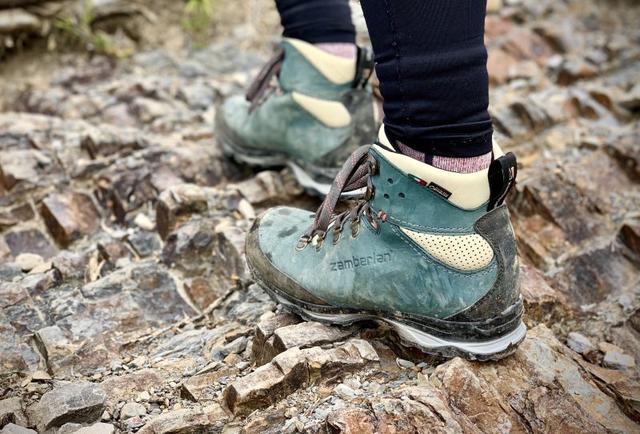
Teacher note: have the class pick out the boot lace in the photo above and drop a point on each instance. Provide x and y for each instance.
(355, 174)
(264, 84)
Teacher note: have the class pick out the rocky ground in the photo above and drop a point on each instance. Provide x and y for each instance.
(125, 302)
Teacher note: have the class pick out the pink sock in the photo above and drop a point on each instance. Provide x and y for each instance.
(450, 164)
(342, 49)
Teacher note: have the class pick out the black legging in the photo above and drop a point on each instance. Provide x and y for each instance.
(317, 21)
(430, 60)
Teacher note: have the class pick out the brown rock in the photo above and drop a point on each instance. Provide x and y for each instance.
(573, 70)
(29, 241)
(186, 421)
(308, 334)
(625, 390)
(268, 383)
(267, 186)
(54, 346)
(70, 217)
(13, 216)
(69, 403)
(23, 166)
(127, 387)
(177, 204)
(292, 369)
(499, 66)
(416, 409)
(525, 44)
(540, 387)
(262, 349)
(11, 411)
(202, 387)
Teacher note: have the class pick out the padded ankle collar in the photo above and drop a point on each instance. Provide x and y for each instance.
(464, 190)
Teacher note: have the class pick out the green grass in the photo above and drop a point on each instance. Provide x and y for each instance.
(198, 16)
(78, 29)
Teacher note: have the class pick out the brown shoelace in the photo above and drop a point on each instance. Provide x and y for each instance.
(264, 84)
(355, 174)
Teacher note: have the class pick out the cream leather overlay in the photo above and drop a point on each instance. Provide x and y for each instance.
(331, 113)
(469, 190)
(462, 252)
(336, 69)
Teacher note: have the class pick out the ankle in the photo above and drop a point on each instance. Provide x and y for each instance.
(450, 164)
(340, 49)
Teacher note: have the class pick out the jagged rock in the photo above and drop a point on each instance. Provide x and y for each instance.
(293, 369)
(12, 428)
(70, 217)
(71, 402)
(262, 349)
(177, 204)
(18, 21)
(416, 409)
(229, 252)
(267, 186)
(145, 243)
(25, 167)
(191, 421)
(28, 261)
(126, 387)
(580, 343)
(500, 65)
(631, 99)
(544, 387)
(68, 428)
(205, 387)
(616, 360)
(132, 409)
(573, 70)
(15, 215)
(54, 346)
(29, 241)
(308, 334)
(11, 411)
(98, 428)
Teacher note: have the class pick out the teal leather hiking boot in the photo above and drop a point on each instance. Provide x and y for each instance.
(307, 109)
(430, 252)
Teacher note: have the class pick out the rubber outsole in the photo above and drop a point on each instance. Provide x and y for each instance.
(306, 179)
(489, 350)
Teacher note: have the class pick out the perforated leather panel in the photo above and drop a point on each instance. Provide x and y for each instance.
(463, 252)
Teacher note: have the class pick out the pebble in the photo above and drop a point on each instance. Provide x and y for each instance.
(579, 343)
(618, 361)
(344, 391)
(607, 347)
(132, 409)
(29, 261)
(11, 428)
(144, 222)
(406, 364)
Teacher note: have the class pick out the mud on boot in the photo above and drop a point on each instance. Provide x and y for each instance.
(430, 252)
(307, 109)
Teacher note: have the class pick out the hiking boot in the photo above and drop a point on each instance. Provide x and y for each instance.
(307, 109)
(430, 252)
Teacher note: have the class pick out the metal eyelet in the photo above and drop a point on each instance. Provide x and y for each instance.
(302, 243)
(374, 167)
(355, 228)
(337, 234)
